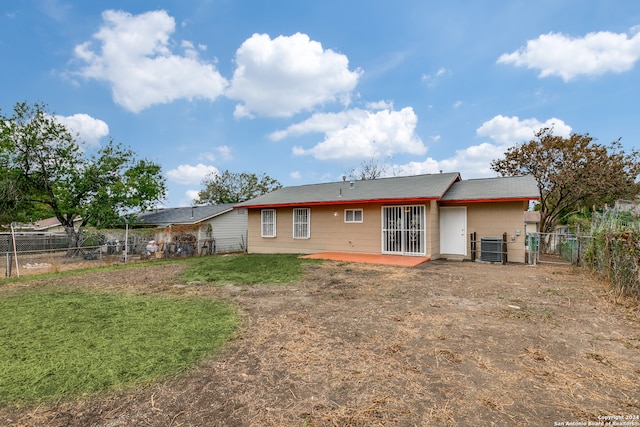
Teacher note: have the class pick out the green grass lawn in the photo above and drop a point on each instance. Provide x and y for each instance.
(246, 269)
(58, 343)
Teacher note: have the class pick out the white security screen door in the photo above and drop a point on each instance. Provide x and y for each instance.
(453, 230)
(403, 230)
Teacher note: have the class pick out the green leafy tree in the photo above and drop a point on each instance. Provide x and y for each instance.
(231, 187)
(572, 173)
(47, 171)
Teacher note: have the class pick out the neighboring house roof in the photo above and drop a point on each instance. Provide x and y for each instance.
(397, 189)
(514, 188)
(532, 216)
(44, 224)
(187, 215)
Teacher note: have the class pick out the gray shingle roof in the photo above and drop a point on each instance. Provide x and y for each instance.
(514, 187)
(445, 187)
(186, 215)
(408, 187)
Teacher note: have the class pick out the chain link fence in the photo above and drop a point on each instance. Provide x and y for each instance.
(35, 253)
(557, 248)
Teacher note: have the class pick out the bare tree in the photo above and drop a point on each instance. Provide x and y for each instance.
(369, 169)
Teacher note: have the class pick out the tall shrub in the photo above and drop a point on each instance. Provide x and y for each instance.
(616, 251)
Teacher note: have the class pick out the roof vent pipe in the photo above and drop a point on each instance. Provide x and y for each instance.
(351, 185)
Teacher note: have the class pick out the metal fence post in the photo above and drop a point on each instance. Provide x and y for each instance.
(8, 268)
(504, 248)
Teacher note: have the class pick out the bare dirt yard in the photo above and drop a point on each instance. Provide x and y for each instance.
(444, 344)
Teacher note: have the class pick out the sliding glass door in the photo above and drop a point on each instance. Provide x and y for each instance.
(403, 230)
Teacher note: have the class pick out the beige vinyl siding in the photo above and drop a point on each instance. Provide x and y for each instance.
(494, 219)
(329, 231)
(433, 230)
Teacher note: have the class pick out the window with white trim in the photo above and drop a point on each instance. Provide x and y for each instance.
(353, 215)
(301, 217)
(268, 223)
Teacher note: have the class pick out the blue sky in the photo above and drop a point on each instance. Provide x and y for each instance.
(305, 91)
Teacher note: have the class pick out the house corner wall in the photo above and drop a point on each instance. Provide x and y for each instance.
(495, 219)
(433, 230)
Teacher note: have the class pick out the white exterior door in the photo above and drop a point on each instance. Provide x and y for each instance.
(453, 230)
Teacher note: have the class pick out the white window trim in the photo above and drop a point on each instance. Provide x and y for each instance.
(262, 223)
(308, 223)
(354, 215)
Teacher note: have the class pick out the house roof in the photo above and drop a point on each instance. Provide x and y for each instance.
(185, 215)
(532, 216)
(44, 224)
(397, 189)
(513, 188)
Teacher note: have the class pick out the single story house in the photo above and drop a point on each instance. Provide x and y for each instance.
(532, 222)
(48, 225)
(433, 216)
(211, 228)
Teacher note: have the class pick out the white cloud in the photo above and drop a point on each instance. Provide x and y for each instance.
(471, 162)
(321, 123)
(475, 161)
(224, 153)
(360, 134)
(90, 130)
(57, 10)
(187, 198)
(188, 174)
(380, 105)
(432, 79)
(191, 195)
(189, 49)
(135, 58)
(295, 175)
(556, 54)
(429, 165)
(512, 130)
(210, 157)
(287, 75)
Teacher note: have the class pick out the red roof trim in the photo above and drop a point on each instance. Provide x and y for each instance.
(514, 199)
(339, 202)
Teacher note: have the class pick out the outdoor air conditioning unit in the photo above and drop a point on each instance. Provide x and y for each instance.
(491, 249)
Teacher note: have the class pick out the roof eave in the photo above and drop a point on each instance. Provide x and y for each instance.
(340, 202)
(206, 218)
(491, 200)
(191, 222)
